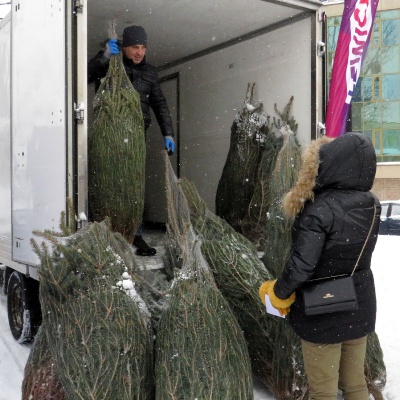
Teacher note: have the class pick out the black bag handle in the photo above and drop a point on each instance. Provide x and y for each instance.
(366, 240)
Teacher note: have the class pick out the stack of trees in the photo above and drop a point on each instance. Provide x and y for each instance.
(101, 314)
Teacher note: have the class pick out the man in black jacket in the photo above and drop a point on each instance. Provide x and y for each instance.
(144, 78)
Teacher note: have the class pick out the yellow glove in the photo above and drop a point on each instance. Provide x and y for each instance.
(282, 305)
(263, 290)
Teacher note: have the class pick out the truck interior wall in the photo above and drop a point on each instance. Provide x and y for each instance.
(155, 197)
(5, 142)
(212, 91)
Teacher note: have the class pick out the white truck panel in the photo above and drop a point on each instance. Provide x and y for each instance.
(38, 111)
(5, 126)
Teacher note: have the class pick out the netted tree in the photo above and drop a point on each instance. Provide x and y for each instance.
(96, 324)
(41, 381)
(282, 179)
(117, 153)
(200, 349)
(255, 224)
(248, 133)
(375, 369)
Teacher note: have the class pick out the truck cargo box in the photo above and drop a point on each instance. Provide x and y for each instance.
(206, 52)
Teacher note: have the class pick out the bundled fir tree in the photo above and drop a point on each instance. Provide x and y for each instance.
(255, 225)
(117, 153)
(200, 349)
(248, 134)
(238, 272)
(96, 324)
(254, 147)
(41, 381)
(287, 363)
(282, 179)
(375, 369)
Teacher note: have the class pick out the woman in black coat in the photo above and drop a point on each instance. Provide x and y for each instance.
(333, 210)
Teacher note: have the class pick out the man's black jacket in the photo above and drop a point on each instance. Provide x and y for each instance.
(144, 78)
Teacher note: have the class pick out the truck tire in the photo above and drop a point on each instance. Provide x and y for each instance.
(23, 307)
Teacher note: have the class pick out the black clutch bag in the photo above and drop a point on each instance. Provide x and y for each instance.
(333, 293)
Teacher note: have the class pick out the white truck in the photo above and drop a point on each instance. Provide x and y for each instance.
(207, 52)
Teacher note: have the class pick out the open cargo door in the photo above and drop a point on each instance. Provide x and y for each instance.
(40, 125)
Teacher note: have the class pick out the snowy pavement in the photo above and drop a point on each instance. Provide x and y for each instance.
(385, 265)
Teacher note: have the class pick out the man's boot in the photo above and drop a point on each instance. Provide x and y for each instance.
(142, 248)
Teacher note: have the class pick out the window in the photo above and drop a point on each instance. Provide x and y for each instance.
(384, 210)
(375, 106)
(395, 211)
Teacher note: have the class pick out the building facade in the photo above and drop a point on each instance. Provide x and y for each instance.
(375, 106)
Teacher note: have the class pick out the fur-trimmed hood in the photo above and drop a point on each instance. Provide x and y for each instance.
(347, 162)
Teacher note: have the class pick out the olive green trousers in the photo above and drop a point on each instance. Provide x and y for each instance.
(332, 366)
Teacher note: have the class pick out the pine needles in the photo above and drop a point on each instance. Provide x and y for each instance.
(41, 381)
(240, 170)
(117, 153)
(96, 325)
(278, 226)
(200, 352)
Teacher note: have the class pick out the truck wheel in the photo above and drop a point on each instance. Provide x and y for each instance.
(23, 308)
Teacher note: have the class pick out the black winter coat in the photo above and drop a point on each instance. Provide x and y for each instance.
(144, 78)
(329, 233)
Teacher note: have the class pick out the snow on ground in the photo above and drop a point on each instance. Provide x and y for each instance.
(385, 264)
(13, 357)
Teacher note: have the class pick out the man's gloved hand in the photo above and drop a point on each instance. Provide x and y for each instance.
(282, 305)
(263, 290)
(169, 145)
(111, 48)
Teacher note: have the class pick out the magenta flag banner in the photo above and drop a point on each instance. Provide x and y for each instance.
(354, 34)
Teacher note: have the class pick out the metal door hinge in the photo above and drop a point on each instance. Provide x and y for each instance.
(321, 129)
(321, 48)
(79, 113)
(81, 220)
(78, 6)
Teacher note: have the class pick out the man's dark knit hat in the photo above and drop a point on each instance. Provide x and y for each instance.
(134, 35)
